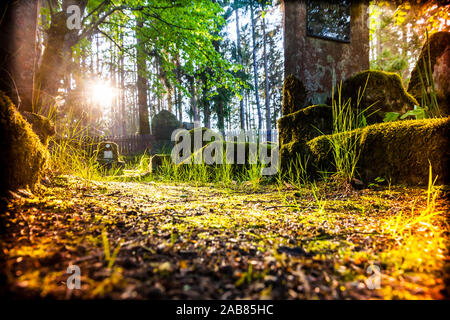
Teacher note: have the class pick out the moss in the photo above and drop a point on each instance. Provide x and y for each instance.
(294, 95)
(305, 124)
(163, 124)
(385, 91)
(438, 43)
(42, 126)
(289, 152)
(157, 160)
(23, 156)
(399, 151)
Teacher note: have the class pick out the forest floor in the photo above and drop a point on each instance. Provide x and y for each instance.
(173, 240)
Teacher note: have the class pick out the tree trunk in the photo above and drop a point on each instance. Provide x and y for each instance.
(266, 81)
(57, 53)
(122, 91)
(238, 45)
(18, 25)
(144, 125)
(255, 69)
(194, 106)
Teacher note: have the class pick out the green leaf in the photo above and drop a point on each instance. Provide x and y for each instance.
(391, 116)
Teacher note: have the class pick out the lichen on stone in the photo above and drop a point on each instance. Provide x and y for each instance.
(41, 125)
(294, 95)
(400, 151)
(383, 93)
(305, 124)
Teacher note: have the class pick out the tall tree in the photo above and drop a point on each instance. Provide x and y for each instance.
(266, 81)
(255, 67)
(18, 25)
(144, 125)
(239, 56)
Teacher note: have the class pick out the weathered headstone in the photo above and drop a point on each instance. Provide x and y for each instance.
(108, 155)
(324, 42)
(439, 58)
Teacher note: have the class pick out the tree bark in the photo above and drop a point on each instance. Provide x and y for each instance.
(144, 125)
(18, 25)
(57, 55)
(255, 69)
(238, 45)
(266, 81)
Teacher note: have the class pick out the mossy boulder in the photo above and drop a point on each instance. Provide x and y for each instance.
(294, 95)
(439, 59)
(163, 124)
(41, 125)
(305, 124)
(384, 93)
(400, 151)
(23, 157)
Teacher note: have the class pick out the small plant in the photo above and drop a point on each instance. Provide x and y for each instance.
(377, 182)
(109, 258)
(297, 173)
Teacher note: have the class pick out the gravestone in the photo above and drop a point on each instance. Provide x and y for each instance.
(108, 155)
(324, 42)
(438, 46)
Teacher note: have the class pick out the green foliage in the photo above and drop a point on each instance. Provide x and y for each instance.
(345, 119)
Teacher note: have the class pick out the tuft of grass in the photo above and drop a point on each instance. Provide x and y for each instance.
(417, 234)
(345, 119)
(428, 101)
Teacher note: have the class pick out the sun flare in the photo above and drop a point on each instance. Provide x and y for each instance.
(102, 93)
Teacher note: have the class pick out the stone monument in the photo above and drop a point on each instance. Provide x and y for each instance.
(324, 42)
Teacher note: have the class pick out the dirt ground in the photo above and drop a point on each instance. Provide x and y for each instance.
(132, 240)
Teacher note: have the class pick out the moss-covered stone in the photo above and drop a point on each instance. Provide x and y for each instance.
(42, 126)
(163, 124)
(22, 155)
(158, 160)
(439, 58)
(384, 92)
(400, 151)
(305, 124)
(294, 95)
